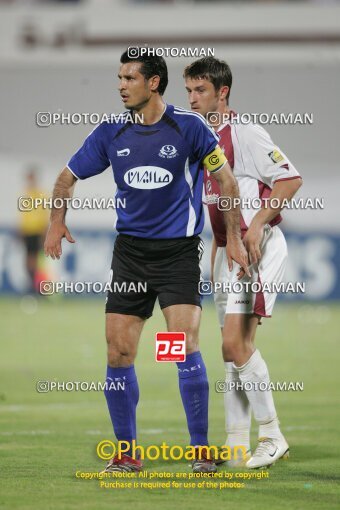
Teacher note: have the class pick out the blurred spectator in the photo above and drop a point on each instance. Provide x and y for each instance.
(33, 226)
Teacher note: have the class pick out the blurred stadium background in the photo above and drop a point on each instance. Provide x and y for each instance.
(64, 57)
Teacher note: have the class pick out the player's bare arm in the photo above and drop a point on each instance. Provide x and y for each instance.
(235, 248)
(63, 188)
(282, 191)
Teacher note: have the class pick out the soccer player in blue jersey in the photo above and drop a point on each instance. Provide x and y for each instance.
(158, 168)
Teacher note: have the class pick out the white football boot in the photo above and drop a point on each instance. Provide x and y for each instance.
(268, 452)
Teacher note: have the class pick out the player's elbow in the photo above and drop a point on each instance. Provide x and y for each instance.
(298, 183)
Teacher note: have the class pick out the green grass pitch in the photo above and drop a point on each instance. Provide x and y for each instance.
(46, 438)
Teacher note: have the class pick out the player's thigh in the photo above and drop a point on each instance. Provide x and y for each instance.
(123, 333)
(129, 292)
(178, 274)
(184, 318)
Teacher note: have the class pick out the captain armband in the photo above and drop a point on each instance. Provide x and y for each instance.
(215, 160)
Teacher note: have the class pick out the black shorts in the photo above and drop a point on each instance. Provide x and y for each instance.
(144, 269)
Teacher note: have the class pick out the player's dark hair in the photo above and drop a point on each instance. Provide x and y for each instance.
(151, 66)
(209, 68)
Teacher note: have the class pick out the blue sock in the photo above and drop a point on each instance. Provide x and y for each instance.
(122, 402)
(194, 388)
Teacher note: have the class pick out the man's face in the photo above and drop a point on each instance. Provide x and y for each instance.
(133, 88)
(202, 95)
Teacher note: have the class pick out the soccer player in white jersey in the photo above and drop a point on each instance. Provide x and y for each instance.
(262, 171)
(158, 169)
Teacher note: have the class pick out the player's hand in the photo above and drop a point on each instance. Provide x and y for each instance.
(55, 233)
(236, 251)
(252, 241)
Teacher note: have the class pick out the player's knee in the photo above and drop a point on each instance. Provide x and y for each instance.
(191, 342)
(227, 352)
(231, 348)
(235, 348)
(119, 358)
(119, 354)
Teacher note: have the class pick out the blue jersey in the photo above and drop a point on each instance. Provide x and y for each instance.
(157, 168)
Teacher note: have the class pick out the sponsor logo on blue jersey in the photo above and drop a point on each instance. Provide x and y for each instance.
(148, 177)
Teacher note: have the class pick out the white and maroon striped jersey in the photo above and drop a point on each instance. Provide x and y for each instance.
(257, 163)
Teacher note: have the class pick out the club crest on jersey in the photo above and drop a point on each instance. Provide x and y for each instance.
(168, 151)
(123, 152)
(148, 177)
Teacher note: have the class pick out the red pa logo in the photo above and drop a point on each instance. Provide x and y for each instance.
(170, 346)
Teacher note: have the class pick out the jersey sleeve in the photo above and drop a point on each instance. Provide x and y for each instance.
(91, 159)
(271, 163)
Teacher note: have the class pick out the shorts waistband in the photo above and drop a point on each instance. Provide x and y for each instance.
(153, 240)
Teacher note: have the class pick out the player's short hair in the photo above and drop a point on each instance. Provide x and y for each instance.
(151, 66)
(210, 68)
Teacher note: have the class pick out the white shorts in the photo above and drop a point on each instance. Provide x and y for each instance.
(270, 270)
